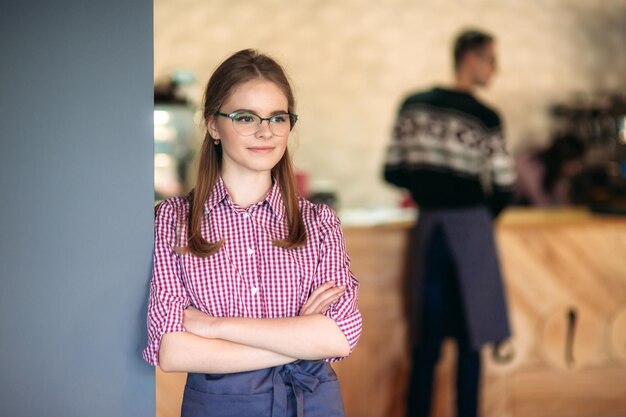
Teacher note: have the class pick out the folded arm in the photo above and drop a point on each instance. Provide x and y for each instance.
(311, 335)
(187, 352)
(305, 337)
(225, 345)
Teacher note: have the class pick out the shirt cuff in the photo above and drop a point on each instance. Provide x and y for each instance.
(171, 323)
(351, 326)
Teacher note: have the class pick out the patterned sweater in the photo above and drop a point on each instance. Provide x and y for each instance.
(449, 151)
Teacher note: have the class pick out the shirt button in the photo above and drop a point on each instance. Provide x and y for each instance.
(250, 251)
(246, 216)
(254, 290)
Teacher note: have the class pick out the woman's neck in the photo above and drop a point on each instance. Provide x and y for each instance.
(247, 190)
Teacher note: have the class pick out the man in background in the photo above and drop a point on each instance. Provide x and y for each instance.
(449, 151)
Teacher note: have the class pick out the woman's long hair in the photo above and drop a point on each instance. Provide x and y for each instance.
(241, 67)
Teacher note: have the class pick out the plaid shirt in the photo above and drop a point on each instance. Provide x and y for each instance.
(248, 276)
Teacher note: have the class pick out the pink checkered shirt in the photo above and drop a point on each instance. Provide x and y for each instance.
(248, 276)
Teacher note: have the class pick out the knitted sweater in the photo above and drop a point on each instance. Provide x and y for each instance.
(449, 151)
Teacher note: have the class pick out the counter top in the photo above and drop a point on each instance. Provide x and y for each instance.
(518, 216)
(379, 216)
(511, 217)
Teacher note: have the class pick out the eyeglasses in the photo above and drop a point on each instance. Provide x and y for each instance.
(247, 123)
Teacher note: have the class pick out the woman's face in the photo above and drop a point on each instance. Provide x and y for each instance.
(257, 153)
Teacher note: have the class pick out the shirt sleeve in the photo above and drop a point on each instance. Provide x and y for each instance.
(334, 265)
(394, 170)
(502, 170)
(168, 296)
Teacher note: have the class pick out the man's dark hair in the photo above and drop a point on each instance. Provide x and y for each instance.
(469, 41)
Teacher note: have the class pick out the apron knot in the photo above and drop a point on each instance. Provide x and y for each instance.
(300, 380)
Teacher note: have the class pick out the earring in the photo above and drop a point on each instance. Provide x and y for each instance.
(216, 142)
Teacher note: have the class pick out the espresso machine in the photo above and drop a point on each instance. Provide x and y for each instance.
(601, 124)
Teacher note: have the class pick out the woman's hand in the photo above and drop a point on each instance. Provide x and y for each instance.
(320, 300)
(199, 323)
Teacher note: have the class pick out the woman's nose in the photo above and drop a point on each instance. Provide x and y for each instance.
(264, 129)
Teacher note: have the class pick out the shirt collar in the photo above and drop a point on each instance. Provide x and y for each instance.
(217, 195)
(273, 198)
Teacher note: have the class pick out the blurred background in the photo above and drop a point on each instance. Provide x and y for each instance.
(561, 79)
(352, 62)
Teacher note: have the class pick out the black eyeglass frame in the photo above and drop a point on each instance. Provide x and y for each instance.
(293, 118)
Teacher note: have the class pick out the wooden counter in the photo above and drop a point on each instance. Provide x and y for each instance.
(557, 264)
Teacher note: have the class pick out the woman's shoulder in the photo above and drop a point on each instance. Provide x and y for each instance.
(173, 208)
(317, 215)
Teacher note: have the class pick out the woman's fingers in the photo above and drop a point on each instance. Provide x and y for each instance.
(328, 297)
(312, 302)
(321, 298)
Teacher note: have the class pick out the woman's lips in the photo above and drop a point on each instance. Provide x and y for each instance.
(261, 149)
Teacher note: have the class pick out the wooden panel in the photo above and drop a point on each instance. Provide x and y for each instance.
(372, 378)
(169, 393)
(589, 392)
(557, 264)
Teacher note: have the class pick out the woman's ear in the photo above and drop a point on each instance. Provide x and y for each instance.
(212, 128)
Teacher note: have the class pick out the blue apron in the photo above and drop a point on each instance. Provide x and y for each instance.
(469, 232)
(298, 389)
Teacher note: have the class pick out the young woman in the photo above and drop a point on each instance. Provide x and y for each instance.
(251, 292)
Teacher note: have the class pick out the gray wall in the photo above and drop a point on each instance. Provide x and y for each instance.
(75, 207)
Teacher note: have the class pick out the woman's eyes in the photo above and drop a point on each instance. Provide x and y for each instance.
(281, 118)
(244, 118)
(251, 118)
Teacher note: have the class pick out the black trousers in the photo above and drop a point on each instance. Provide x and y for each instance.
(442, 317)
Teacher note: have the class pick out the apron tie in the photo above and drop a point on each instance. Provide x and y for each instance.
(300, 381)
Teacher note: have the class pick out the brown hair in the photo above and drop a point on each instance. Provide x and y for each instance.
(239, 68)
